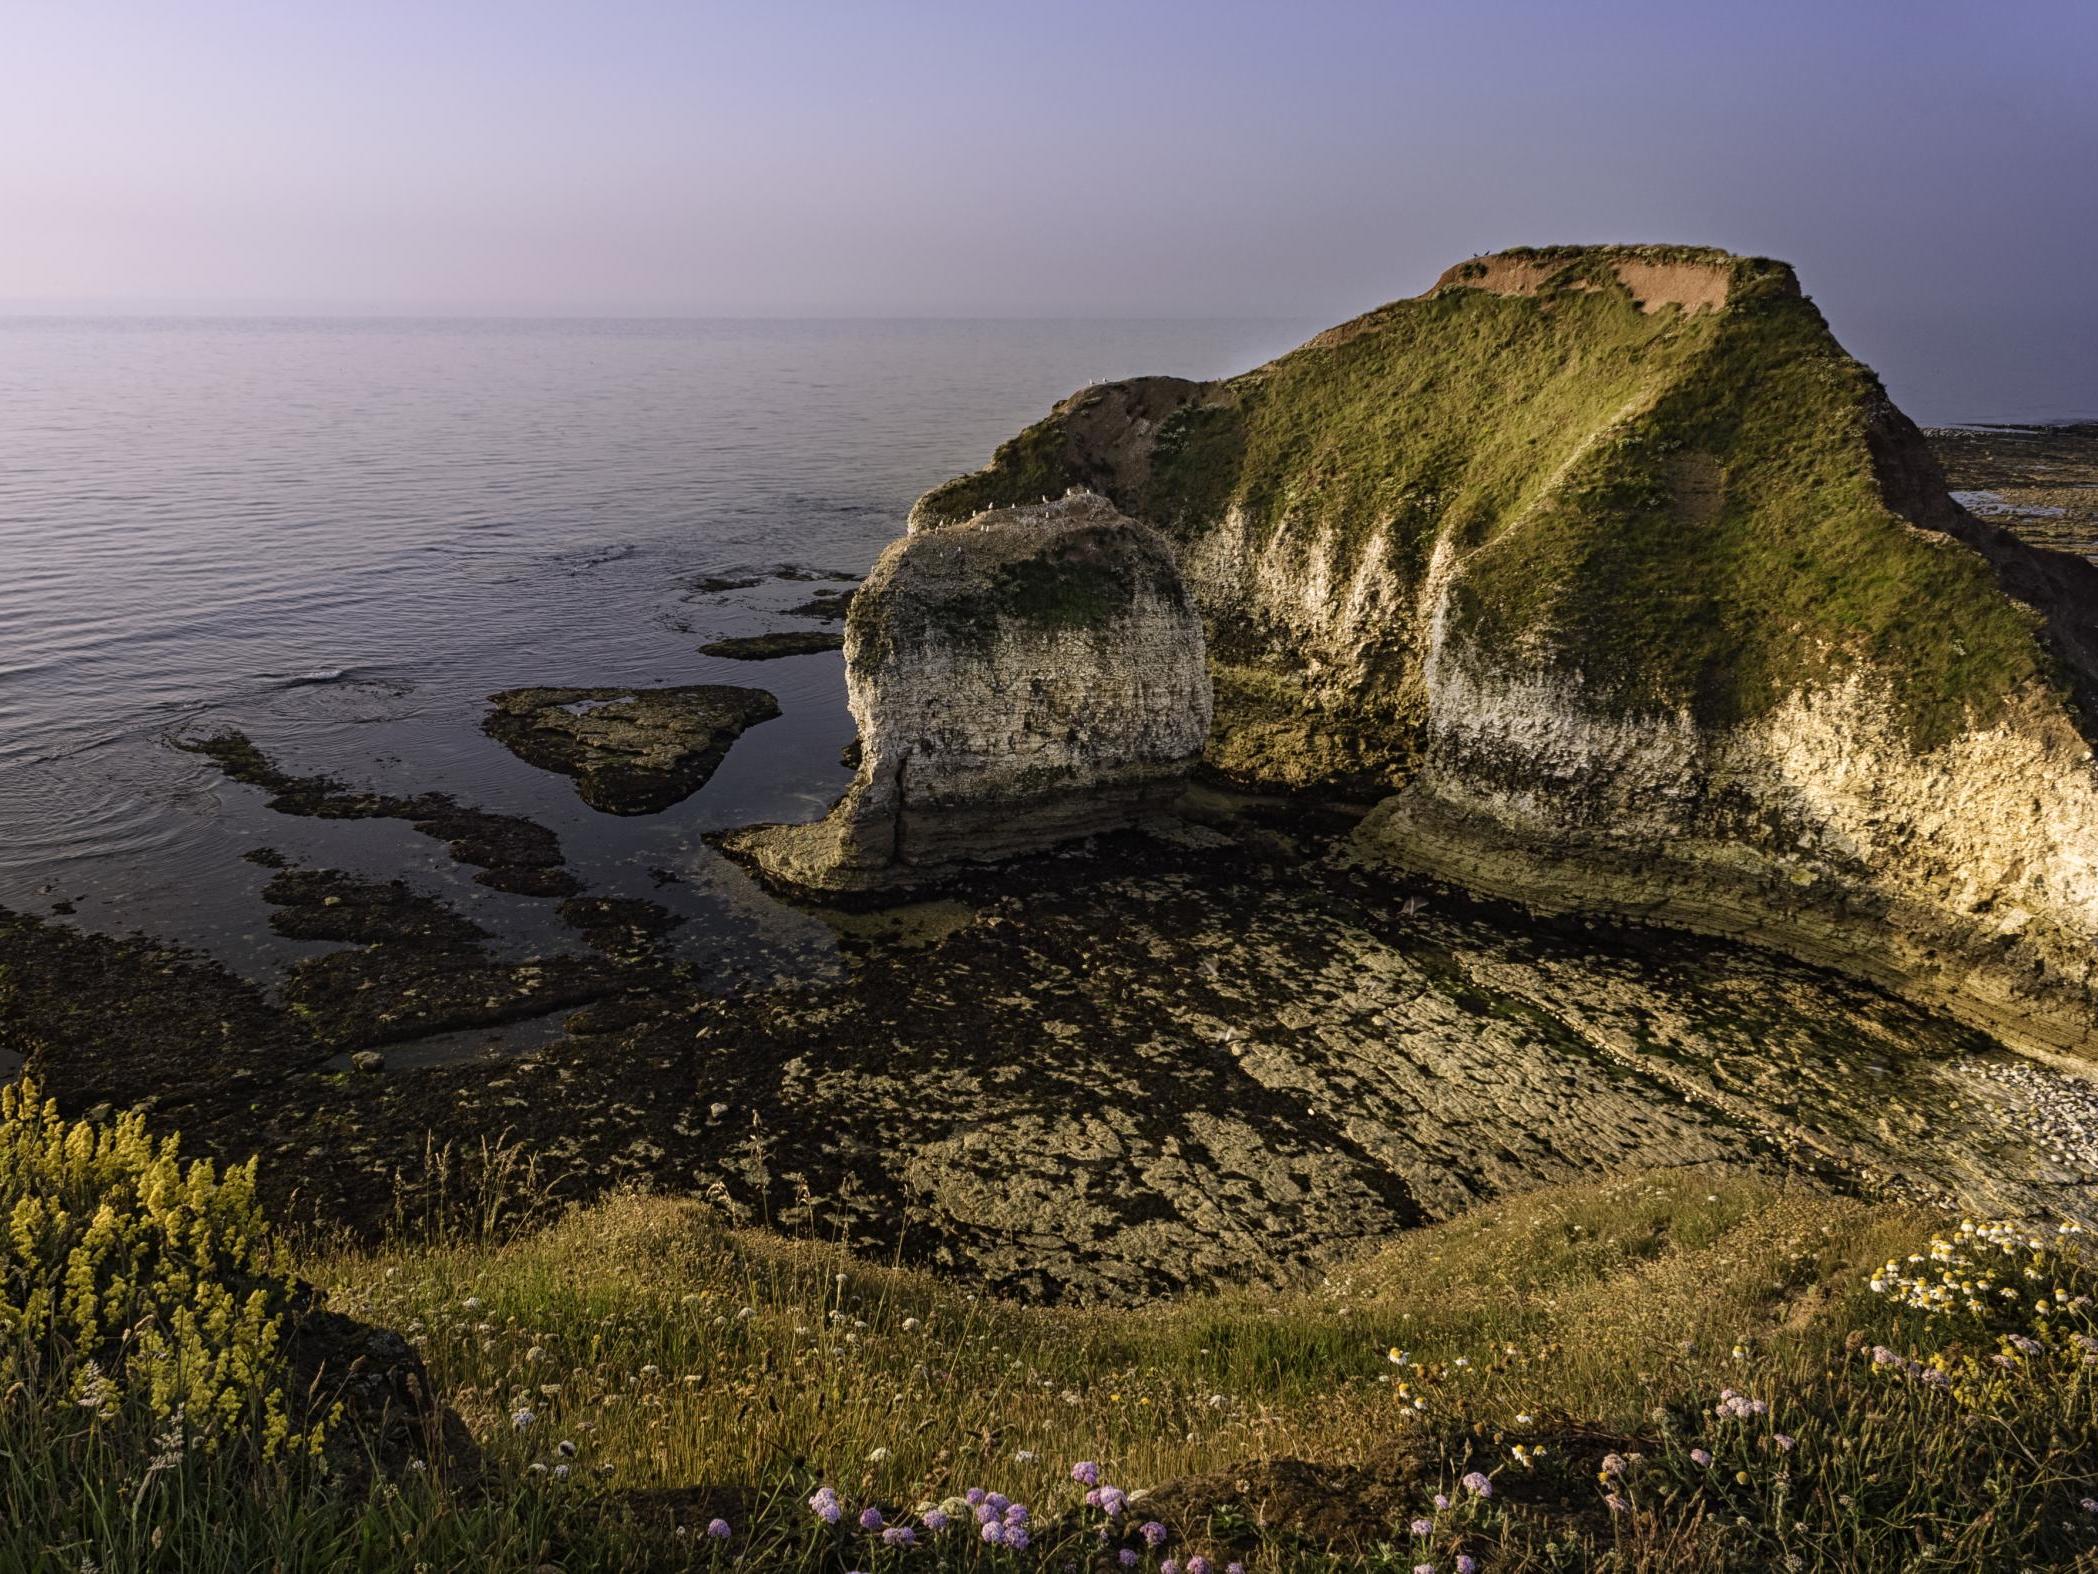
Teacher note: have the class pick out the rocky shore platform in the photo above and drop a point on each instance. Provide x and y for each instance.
(1214, 1051)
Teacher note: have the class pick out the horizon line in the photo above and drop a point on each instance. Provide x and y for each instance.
(33, 307)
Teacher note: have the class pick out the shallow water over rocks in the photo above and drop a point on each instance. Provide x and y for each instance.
(1206, 1053)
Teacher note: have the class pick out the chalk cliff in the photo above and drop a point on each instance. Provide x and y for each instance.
(1032, 675)
(1623, 587)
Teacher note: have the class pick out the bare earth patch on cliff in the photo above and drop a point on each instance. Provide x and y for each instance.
(631, 751)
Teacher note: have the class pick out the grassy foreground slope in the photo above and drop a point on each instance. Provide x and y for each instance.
(1677, 1371)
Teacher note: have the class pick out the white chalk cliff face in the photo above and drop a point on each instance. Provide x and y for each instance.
(1619, 587)
(1029, 676)
(1965, 875)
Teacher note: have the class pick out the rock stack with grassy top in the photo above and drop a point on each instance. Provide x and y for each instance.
(1032, 676)
(1618, 585)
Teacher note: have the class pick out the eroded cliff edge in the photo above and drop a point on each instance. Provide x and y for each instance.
(1623, 587)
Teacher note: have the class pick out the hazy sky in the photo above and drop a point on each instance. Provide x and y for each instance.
(1299, 159)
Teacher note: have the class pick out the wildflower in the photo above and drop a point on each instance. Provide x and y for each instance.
(97, 1392)
(1783, 1441)
(870, 1518)
(935, 1521)
(1423, 1527)
(1016, 1537)
(560, 1472)
(1442, 1501)
(2090, 1505)
(1016, 1514)
(1234, 1568)
(1613, 1465)
(974, 1496)
(1477, 1483)
(1086, 1473)
(1112, 1501)
(876, 1455)
(899, 1536)
(1200, 1565)
(1153, 1532)
(1467, 1564)
(1170, 1566)
(997, 1502)
(565, 1448)
(522, 1417)
(993, 1533)
(1614, 1503)
(1423, 1568)
(910, 1325)
(1024, 1456)
(826, 1507)
(1700, 1458)
(718, 1529)
(1128, 1558)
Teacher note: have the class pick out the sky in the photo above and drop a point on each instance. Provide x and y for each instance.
(775, 157)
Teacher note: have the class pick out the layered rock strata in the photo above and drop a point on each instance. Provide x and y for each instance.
(1032, 676)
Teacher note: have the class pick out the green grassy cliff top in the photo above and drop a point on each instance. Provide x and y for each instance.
(1663, 477)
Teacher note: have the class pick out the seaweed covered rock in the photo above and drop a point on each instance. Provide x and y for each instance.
(1031, 678)
(631, 751)
(1626, 589)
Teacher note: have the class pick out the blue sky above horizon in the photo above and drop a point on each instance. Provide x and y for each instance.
(992, 159)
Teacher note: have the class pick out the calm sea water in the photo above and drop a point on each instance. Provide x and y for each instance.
(341, 535)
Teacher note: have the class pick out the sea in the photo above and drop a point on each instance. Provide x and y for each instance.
(340, 535)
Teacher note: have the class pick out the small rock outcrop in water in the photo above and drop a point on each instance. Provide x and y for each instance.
(631, 751)
(1626, 589)
(770, 647)
(1032, 676)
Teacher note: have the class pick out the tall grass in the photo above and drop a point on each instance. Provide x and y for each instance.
(1669, 1372)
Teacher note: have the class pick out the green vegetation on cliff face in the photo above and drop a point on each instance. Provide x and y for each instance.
(1676, 505)
(1731, 541)
(1082, 580)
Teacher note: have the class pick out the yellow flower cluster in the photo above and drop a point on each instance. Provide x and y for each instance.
(139, 1289)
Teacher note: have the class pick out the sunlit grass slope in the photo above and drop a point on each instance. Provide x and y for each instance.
(1673, 1371)
(1681, 510)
